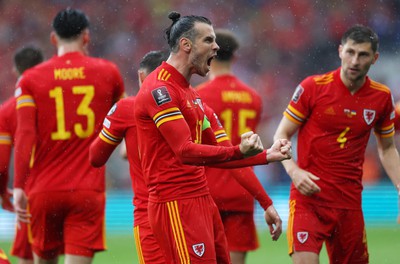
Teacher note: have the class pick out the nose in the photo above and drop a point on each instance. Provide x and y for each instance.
(215, 47)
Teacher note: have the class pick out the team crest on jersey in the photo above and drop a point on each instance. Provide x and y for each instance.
(297, 93)
(112, 110)
(161, 95)
(369, 116)
(302, 237)
(199, 249)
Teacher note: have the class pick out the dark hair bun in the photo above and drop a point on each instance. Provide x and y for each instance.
(174, 16)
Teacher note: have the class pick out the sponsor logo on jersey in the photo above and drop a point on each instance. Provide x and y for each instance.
(330, 111)
(296, 96)
(161, 95)
(106, 123)
(302, 237)
(199, 249)
(369, 116)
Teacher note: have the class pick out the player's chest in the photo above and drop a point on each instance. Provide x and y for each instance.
(344, 110)
(192, 109)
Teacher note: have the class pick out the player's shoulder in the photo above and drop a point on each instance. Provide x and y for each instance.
(379, 87)
(320, 79)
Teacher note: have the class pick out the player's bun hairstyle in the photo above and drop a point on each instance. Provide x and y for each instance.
(152, 60)
(227, 43)
(27, 57)
(182, 27)
(361, 34)
(69, 23)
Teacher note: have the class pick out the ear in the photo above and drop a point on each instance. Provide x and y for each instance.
(53, 38)
(340, 50)
(86, 37)
(376, 56)
(141, 75)
(185, 44)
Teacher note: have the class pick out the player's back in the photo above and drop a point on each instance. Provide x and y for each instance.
(237, 105)
(72, 94)
(8, 121)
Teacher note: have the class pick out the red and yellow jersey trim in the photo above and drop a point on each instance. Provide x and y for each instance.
(177, 230)
(24, 101)
(379, 87)
(5, 139)
(109, 138)
(167, 115)
(294, 115)
(221, 135)
(386, 132)
(289, 234)
(163, 75)
(323, 79)
(139, 251)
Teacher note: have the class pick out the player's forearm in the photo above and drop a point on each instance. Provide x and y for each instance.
(100, 152)
(391, 163)
(248, 180)
(24, 145)
(259, 159)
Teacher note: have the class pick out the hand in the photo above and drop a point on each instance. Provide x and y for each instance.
(5, 200)
(274, 222)
(304, 182)
(20, 205)
(280, 150)
(251, 144)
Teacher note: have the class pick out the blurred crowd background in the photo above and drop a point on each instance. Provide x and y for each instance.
(282, 42)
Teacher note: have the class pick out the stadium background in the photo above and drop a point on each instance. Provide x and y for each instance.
(282, 41)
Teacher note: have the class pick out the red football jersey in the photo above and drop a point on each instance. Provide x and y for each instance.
(171, 124)
(334, 132)
(67, 97)
(118, 124)
(8, 124)
(239, 108)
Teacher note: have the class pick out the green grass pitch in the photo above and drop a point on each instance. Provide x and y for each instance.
(383, 244)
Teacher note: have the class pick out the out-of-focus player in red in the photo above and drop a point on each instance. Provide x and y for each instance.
(3, 257)
(239, 108)
(120, 124)
(24, 59)
(60, 107)
(176, 140)
(334, 114)
(397, 128)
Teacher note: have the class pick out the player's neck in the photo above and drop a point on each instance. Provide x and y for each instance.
(219, 68)
(69, 47)
(352, 85)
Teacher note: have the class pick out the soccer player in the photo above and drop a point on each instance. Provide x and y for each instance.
(118, 125)
(173, 137)
(239, 108)
(334, 114)
(24, 59)
(60, 106)
(3, 257)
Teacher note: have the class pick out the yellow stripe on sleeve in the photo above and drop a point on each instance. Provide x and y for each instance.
(25, 101)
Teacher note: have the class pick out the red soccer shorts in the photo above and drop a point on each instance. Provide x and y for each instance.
(343, 232)
(189, 231)
(240, 231)
(21, 247)
(3, 257)
(147, 248)
(69, 222)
